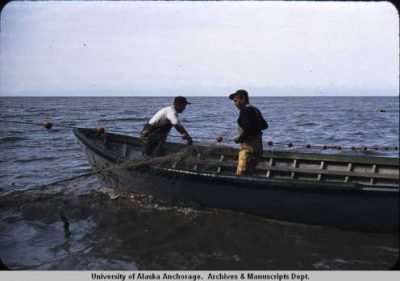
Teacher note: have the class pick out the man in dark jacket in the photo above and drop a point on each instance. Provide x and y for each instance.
(250, 123)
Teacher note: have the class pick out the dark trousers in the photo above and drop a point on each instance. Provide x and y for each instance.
(153, 140)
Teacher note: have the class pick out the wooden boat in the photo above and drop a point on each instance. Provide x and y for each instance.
(349, 192)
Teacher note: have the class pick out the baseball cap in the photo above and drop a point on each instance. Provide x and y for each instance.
(181, 100)
(239, 93)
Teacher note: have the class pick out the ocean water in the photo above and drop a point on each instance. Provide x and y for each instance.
(132, 231)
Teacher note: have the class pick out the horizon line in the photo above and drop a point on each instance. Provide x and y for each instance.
(166, 96)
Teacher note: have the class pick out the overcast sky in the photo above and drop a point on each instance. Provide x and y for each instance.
(198, 48)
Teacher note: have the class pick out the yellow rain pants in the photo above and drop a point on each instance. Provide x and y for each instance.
(250, 154)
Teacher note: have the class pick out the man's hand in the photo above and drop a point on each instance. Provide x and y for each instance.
(188, 139)
(145, 133)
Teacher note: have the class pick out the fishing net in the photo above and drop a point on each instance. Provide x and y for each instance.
(193, 158)
(54, 195)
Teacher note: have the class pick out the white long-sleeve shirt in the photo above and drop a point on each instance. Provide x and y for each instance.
(165, 116)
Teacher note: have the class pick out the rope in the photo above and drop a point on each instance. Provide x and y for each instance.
(337, 147)
(131, 163)
(33, 123)
(45, 186)
(48, 125)
(178, 156)
(296, 144)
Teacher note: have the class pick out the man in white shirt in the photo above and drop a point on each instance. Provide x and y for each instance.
(155, 132)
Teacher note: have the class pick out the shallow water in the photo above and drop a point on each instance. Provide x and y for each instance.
(132, 231)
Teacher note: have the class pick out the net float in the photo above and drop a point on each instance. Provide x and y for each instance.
(48, 125)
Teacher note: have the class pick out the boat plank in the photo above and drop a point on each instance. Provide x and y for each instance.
(338, 173)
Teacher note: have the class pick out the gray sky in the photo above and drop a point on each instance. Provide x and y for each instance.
(199, 48)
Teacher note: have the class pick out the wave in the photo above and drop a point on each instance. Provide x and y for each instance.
(40, 110)
(309, 124)
(25, 115)
(27, 160)
(123, 119)
(12, 139)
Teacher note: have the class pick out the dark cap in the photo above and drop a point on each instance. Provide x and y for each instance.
(239, 93)
(181, 100)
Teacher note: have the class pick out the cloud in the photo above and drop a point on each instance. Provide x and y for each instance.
(119, 46)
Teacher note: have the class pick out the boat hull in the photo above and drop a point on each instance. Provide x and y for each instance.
(359, 209)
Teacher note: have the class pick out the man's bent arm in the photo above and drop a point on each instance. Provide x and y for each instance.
(181, 129)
